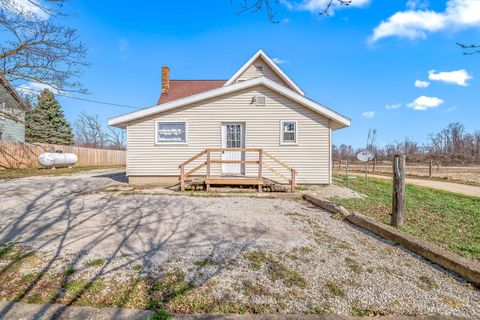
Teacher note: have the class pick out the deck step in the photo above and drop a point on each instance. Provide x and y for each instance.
(239, 181)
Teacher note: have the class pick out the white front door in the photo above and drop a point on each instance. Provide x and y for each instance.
(233, 136)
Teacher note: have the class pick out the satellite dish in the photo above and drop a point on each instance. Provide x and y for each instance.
(365, 155)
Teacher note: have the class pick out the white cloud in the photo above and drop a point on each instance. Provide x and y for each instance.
(28, 8)
(279, 61)
(393, 106)
(417, 4)
(422, 84)
(424, 103)
(35, 88)
(316, 6)
(414, 24)
(368, 114)
(451, 109)
(458, 77)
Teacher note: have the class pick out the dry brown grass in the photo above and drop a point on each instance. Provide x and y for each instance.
(461, 174)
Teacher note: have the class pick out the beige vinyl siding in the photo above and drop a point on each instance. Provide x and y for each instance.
(311, 157)
(251, 72)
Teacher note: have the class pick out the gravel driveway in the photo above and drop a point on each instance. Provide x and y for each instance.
(281, 255)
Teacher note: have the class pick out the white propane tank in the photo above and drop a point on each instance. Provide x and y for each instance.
(57, 159)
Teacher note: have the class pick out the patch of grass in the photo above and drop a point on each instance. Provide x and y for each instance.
(428, 281)
(251, 289)
(5, 250)
(275, 269)
(30, 172)
(353, 265)
(446, 219)
(359, 312)
(29, 277)
(96, 263)
(317, 311)
(205, 262)
(335, 289)
(137, 267)
(69, 271)
(304, 250)
(160, 315)
(255, 266)
(289, 277)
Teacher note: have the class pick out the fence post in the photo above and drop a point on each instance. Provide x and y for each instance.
(398, 193)
(430, 168)
(346, 173)
(374, 164)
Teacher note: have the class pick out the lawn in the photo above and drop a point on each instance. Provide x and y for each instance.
(446, 219)
(30, 172)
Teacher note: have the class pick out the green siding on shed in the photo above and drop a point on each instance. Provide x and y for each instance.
(11, 130)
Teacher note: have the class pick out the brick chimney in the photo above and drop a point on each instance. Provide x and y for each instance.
(165, 80)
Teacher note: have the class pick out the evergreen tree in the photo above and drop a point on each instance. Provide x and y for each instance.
(46, 122)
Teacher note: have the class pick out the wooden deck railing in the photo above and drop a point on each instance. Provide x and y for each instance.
(260, 162)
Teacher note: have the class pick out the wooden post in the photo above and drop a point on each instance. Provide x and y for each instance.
(182, 178)
(366, 173)
(292, 187)
(339, 164)
(430, 168)
(346, 173)
(260, 167)
(207, 185)
(398, 193)
(374, 164)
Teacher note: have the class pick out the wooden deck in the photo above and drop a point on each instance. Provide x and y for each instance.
(235, 180)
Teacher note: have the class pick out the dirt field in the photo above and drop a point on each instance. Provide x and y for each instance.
(468, 175)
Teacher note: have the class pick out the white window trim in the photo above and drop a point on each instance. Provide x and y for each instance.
(288, 143)
(160, 143)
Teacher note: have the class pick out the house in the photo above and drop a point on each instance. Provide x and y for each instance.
(256, 125)
(12, 113)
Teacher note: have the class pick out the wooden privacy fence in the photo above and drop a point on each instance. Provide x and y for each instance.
(25, 155)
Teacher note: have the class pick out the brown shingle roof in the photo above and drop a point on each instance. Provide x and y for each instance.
(184, 88)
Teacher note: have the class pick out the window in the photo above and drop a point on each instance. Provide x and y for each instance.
(288, 132)
(260, 100)
(259, 69)
(1, 135)
(173, 132)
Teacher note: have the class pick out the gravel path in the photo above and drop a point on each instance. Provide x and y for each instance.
(278, 255)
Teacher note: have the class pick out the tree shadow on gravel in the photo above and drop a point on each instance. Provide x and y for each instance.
(65, 225)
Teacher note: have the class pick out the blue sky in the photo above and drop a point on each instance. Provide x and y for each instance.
(340, 61)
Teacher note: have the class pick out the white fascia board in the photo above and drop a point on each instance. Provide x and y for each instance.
(341, 121)
(272, 65)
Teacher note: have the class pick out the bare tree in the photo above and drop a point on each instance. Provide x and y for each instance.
(37, 48)
(469, 48)
(89, 131)
(268, 5)
(116, 138)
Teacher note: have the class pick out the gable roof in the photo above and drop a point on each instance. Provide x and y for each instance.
(184, 88)
(339, 121)
(271, 64)
(14, 93)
